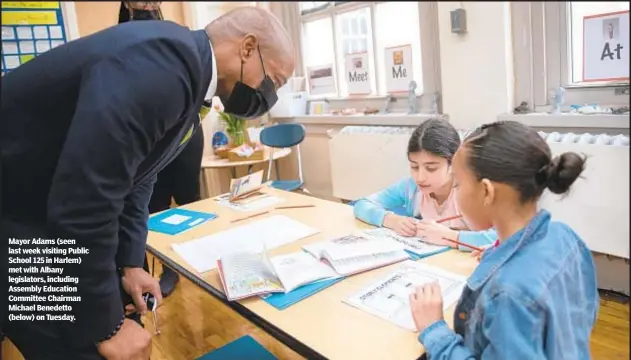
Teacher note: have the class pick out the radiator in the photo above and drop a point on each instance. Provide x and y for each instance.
(366, 159)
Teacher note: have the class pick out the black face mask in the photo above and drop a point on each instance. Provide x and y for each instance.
(248, 103)
(144, 15)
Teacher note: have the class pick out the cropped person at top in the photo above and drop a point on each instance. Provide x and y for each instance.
(113, 109)
(428, 194)
(534, 296)
(180, 179)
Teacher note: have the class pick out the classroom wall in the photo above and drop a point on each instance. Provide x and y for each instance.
(98, 15)
(476, 68)
(477, 84)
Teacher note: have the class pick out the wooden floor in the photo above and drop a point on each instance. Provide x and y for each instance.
(193, 323)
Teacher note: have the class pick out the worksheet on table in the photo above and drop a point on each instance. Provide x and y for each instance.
(388, 298)
(270, 232)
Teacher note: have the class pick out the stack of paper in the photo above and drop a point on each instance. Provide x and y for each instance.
(354, 254)
(253, 203)
(268, 233)
(388, 298)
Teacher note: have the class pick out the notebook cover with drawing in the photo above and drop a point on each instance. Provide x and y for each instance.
(175, 221)
(246, 186)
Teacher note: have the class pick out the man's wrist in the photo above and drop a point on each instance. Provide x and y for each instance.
(125, 269)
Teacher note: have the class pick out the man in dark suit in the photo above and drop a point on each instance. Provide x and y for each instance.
(84, 130)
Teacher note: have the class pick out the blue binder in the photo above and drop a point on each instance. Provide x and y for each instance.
(282, 301)
(175, 221)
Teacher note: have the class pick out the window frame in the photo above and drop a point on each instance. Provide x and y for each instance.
(542, 45)
(430, 51)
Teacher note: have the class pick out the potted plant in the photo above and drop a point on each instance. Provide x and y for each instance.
(235, 127)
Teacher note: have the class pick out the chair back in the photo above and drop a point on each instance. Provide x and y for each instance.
(283, 135)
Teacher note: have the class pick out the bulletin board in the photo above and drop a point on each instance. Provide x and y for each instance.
(30, 29)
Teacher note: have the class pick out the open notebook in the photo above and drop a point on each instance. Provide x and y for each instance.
(246, 274)
(414, 245)
(353, 254)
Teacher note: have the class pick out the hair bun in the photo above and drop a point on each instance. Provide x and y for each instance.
(563, 171)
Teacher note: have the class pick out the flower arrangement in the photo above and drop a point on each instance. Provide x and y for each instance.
(235, 126)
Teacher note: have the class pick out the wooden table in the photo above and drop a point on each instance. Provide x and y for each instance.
(211, 165)
(321, 326)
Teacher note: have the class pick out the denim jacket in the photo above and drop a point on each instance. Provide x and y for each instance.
(405, 194)
(533, 297)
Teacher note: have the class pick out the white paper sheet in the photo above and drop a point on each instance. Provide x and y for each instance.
(270, 232)
(413, 244)
(24, 32)
(388, 298)
(40, 32)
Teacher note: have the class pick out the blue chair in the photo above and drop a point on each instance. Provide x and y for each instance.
(243, 348)
(284, 136)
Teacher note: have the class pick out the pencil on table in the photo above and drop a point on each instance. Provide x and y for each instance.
(249, 217)
(294, 206)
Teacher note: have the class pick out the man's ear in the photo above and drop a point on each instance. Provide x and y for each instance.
(248, 47)
(489, 192)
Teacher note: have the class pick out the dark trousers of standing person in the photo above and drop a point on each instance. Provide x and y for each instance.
(178, 180)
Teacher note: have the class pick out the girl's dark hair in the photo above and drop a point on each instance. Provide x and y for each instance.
(512, 153)
(125, 12)
(436, 136)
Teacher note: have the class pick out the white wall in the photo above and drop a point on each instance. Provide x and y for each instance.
(476, 68)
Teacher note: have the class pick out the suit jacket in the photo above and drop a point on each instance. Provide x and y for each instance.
(84, 130)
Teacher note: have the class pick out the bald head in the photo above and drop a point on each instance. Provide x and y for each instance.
(251, 41)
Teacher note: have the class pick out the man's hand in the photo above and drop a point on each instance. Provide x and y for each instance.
(402, 225)
(136, 282)
(131, 342)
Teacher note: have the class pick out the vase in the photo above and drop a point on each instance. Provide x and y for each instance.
(237, 138)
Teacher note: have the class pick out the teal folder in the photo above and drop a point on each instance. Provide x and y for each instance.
(175, 221)
(282, 301)
(244, 348)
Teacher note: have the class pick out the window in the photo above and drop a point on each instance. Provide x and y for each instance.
(333, 30)
(548, 53)
(354, 36)
(398, 24)
(578, 10)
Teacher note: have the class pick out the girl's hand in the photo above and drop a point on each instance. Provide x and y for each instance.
(433, 233)
(402, 225)
(426, 304)
(478, 254)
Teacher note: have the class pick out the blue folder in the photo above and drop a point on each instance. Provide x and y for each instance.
(241, 349)
(175, 221)
(414, 256)
(282, 301)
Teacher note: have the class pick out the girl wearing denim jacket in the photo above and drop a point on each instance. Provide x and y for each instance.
(428, 194)
(534, 296)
